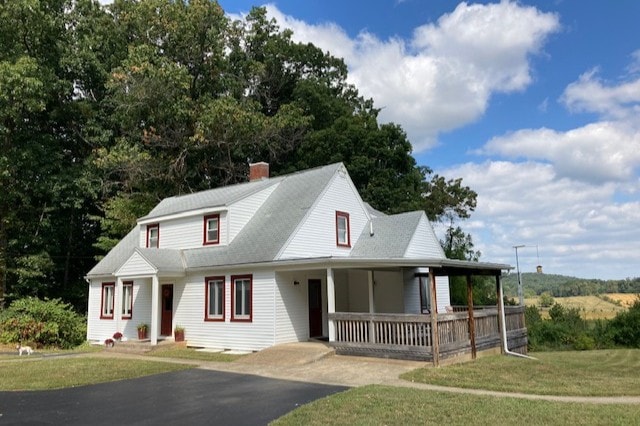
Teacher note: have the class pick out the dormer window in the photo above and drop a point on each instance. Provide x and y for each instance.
(153, 236)
(343, 237)
(212, 229)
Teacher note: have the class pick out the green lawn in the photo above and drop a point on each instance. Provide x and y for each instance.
(587, 373)
(383, 405)
(190, 353)
(30, 373)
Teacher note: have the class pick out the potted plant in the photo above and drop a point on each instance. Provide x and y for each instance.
(142, 331)
(178, 334)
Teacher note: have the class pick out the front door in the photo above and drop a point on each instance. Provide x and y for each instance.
(167, 310)
(315, 308)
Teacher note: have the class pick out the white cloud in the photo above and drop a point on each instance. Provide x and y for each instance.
(572, 192)
(578, 228)
(444, 76)
(600, 151)
(590, 94)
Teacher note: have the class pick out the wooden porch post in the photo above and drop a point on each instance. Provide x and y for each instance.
(435, 336)
(331, 304)
(372, 307)
(155, 292)
(472, 322)
(500, 309)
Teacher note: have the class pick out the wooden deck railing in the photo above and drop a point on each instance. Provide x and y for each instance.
(410, 336)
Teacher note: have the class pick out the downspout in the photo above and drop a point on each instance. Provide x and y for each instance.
(503, 326)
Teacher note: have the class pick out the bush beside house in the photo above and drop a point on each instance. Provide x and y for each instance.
(42, 323)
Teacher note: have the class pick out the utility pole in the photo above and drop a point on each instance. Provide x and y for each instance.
(520, 292)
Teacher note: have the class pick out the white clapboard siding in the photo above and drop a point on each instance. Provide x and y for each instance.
(424, 243)
(100, 329)
(411, 291)
(316, 237)
(141, 313)
(291, 308)
(442, 294)
(188, 232)
(136, 265)
(189, 302)
(242, 211)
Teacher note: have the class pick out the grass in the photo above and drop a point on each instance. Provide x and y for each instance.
(591, 307)
(625, 299)
(400, 406)
(10, 349)
(588, 373)
(190, 353)
(30, 373)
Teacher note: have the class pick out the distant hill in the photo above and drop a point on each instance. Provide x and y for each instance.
(563, 286)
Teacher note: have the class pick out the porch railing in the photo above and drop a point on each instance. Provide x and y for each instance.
(410, 336)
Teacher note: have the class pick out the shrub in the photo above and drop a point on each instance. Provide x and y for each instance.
(546, 299)
(625, 327)
(42, 323)
(584, 343)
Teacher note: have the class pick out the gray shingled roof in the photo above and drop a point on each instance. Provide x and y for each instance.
(165, 260)
(391, 236)
(118, 255)
(266, 233)
(259, 241)
(217, 197)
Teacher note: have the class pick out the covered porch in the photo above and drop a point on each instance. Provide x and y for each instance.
(430, 333)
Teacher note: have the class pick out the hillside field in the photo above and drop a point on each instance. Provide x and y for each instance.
(625, 299)
(591, 307)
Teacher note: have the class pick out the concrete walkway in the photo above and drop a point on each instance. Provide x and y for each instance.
(313, 362)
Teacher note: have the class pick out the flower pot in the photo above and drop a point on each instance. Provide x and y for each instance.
(142, 334)
(178, 335)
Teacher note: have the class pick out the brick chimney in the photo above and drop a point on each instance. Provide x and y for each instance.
(258, 171)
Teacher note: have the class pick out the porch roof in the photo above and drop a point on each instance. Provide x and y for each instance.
(441, 267)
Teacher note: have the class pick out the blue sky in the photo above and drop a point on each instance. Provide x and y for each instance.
(535, 104)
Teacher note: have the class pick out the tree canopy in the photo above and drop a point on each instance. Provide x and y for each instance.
(105, 110)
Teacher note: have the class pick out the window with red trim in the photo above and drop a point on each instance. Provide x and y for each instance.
(343, 237)
(106, 304)
(153, 235)
(214, 299)
(211, 229)
(241, 298)
(127, 300)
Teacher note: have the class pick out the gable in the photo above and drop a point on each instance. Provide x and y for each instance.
(315, 235)
(136, 265)
(424, 242)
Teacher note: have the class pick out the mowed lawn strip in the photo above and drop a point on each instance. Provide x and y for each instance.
(192, 354)
(587, 373)
(31, 374)
(386, 405)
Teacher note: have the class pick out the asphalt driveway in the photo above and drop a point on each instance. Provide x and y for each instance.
(185, 397)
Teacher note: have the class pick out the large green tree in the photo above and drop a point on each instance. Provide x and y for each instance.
(105, 110)
(45, 234)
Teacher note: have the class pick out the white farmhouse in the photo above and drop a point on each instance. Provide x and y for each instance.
(277, 260)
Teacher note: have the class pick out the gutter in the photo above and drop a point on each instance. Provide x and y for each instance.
(503, 326)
